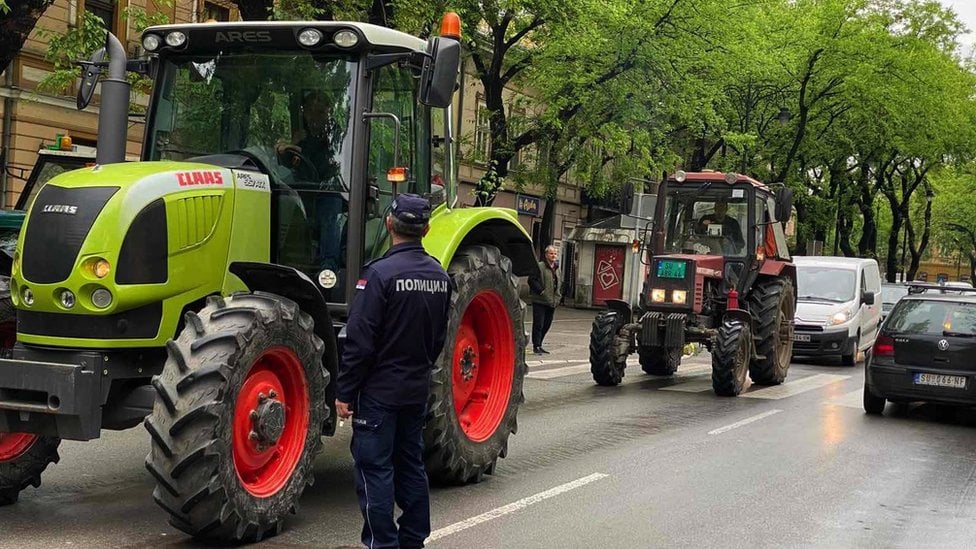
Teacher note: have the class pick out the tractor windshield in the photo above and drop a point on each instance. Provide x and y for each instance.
(287, 110)
(707, 220)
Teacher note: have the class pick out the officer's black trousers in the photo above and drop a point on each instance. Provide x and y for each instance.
(541, 321)
(388, 448)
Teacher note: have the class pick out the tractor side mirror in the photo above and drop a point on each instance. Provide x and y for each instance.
(372, 199)
(439, 76)
(784, 205)
(867, 298)
(90, 71)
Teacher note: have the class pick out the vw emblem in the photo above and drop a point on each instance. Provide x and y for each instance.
(943, 345)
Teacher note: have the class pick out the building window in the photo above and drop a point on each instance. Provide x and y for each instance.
(215, 12)
(482, 130)
(104, 10)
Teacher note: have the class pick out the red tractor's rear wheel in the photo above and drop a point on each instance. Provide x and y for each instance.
(477, 381)
(23, 456)
(238, 417)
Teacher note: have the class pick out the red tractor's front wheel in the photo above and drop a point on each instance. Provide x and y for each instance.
(477, 381)
(238, 417)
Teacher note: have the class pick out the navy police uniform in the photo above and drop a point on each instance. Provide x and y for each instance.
(396, 329)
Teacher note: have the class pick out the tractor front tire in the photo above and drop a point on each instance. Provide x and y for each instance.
(730, 358)
(772, 305)
(238, 418)
(477, 381)
(23, 457)
(607, 368)
(659, 361)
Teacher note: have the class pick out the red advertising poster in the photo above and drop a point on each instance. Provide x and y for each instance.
(608, 273)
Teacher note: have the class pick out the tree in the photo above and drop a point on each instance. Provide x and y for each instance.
(19, 20)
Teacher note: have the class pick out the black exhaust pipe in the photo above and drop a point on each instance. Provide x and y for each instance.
(113, 114)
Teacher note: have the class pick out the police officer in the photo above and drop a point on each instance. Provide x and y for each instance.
(396, 329)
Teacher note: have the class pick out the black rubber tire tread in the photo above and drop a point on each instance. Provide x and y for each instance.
(607, 369)
(767, 301)
(851, 359)
(873, 405)
(728, 365)
(25, 470)
(659, 361)
(450, 456)
(191, 454)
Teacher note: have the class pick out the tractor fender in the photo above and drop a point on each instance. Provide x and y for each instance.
(740, 315)
(451, 230)
(776, 268)
(298, 287)
(622, 308)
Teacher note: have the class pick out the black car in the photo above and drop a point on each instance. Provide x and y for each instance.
(925, 350)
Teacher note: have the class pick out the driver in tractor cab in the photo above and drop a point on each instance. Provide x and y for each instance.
(730, 226)
(312, 158)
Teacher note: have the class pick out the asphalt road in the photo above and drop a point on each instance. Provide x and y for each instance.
(654, 462)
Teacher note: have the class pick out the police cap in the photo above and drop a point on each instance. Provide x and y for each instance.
(411, 208)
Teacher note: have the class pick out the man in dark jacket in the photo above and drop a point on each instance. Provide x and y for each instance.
(396, 329)
(545, 298)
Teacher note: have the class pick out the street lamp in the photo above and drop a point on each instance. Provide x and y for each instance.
(784, 116)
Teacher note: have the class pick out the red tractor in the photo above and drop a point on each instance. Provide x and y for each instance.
(720, 274)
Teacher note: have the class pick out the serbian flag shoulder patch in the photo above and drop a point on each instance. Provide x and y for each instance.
(361, 284)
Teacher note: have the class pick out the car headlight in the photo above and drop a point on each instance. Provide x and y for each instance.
(657, 295)
(679, 297)
(840, 318)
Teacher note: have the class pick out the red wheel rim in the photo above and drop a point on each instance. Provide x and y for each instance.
(270, 422)
(13, 445)
(483, 368)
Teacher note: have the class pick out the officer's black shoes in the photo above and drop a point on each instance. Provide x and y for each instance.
(543, 351)
(539, 351)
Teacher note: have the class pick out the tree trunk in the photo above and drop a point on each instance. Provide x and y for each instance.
(16, 25)
(923, 244)
(255, 10)
(381, 13)
(891, 264)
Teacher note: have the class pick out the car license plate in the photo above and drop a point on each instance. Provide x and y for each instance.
(801, 337)
(939, 380)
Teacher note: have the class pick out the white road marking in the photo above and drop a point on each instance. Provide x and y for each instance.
(745, 421)
(792, 388)
(513, 507)
(853, 399)
(548, 361)
(553, 373)
(693, 386)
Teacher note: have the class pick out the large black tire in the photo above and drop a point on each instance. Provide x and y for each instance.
(607, 368)
(486, 288)
(851, 359)
(24, 469)
(873, 405)
(659, 361)
(772, 305)
(730, 359)
(194, 421)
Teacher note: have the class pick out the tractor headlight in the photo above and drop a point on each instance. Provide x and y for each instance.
(310, 37)
(657, 295)
(176, 39)
(101, 298)
(841, 317)
(28, 296)
(679, 297)
(67, 299)
(150, 42)
(101, 268)
(345, 39)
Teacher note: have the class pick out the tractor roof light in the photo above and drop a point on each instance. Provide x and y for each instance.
(310, 37)
(345, 38)
(176, 39)
(396, 175)
(680, 176)
(451, 26)
(150, 42)
(731, 177)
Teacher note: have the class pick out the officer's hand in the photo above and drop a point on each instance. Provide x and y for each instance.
(343, 409)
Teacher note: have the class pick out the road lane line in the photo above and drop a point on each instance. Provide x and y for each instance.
(792, 388)
(513, 507)
(745, 421)
(553, 373)
(551, 361)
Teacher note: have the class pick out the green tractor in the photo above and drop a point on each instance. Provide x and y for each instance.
(203, 291)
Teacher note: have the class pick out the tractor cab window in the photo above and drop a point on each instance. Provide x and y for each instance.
(288, 113)
(713, 222)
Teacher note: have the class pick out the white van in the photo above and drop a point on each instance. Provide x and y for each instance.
(838, 308)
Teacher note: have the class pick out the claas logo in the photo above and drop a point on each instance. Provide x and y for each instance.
(191, 179)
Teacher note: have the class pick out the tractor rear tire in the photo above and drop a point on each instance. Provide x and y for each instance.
(238, 417)
(477, 382)
(772, 305)
(23, 457)
(607, 368)
(659, 361)
(730, 359)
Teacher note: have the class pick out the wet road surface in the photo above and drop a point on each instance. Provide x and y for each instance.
(655, 462)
